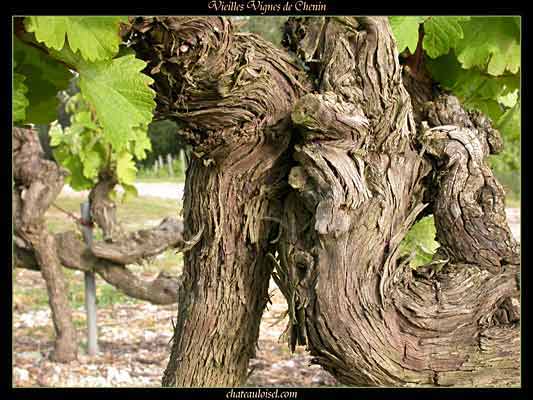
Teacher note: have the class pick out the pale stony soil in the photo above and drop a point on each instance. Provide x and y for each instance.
(134, 348)
(513, 218)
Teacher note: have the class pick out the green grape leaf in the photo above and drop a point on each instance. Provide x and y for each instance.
(92, 162)
(465, 82)
(473, 87)
(130, 191)
(96, 37)
(508, 161)
(492, 43)
(61, 153)
(120, 95)
(141, 143)
(84, 119)
(77, 180)
(45, 77)
(56, 134)
(489, 107)
(420, 240)
(73, 164)
(516, 20)
(442, 33)
(509, 123)
(113, 194)
(126, 170)
(509, 100)
(20, 101)
(405, 30)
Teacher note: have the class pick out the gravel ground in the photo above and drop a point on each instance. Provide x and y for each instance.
(134, 347)
(513, 217)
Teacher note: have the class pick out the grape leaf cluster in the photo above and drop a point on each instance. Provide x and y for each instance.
(478, 60)
(109, 116)
(419, 244)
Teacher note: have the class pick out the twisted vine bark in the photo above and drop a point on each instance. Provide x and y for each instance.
(37, 182)
(234, 93)
(363, 174)
(104, 209)
(373, 151)
(109, 260)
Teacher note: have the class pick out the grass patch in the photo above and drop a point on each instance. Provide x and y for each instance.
(170, 261)
(33, 298)
(136, 213)
(107, 295)
(146, 212)
(30, 298)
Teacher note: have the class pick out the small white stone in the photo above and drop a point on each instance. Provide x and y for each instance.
(149, 335)
(21, 374)
(290, 364)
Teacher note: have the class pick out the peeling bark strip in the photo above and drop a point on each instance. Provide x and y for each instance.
(234, 92)
(37, 182)
(363, 313)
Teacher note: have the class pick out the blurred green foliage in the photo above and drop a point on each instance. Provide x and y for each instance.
(419, 243)
(269, 27)
(165, 140)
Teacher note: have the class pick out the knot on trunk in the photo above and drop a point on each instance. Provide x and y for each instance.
(328, 117)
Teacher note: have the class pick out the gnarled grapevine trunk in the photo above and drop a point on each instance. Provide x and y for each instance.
(234, 92)
(361, 168)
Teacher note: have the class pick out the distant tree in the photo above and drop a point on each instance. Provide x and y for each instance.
(166, 139)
